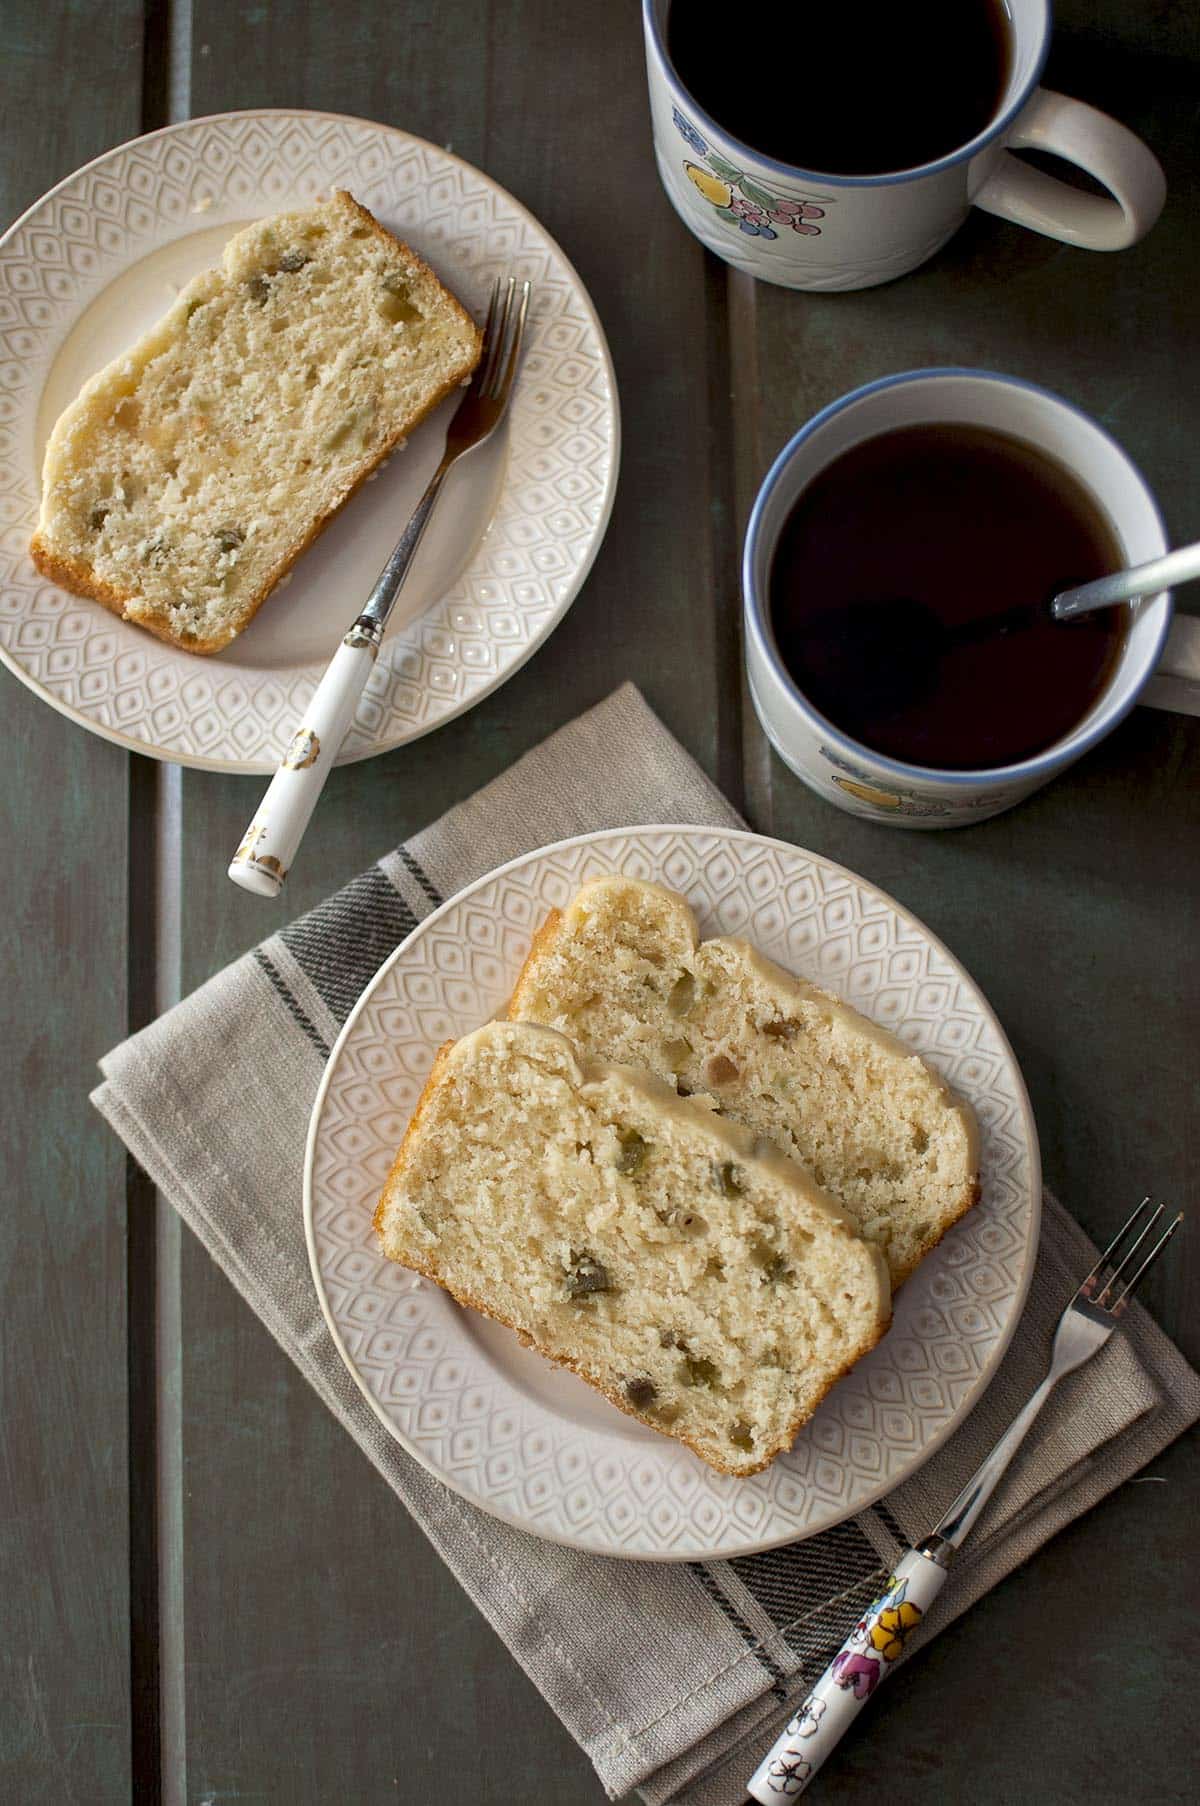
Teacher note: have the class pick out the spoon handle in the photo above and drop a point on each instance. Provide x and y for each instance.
(1123, 586)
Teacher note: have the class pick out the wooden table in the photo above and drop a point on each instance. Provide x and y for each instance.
(174, 1622)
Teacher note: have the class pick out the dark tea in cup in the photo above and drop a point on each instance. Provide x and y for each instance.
(970, 533)
(862, 90)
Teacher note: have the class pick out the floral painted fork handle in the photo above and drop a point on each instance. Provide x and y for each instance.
(875, 1644)
(867, 1657)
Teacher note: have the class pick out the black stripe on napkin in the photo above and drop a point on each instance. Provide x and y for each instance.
(883, 1512)
(811, 1592)
(718, 1595)
(817, 1637)
(295, 1012)
(808, 1592)
(431, 891)
(341, 944)
(791, 1583)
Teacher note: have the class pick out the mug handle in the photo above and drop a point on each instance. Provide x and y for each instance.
(1176, 681)
(1104, 148)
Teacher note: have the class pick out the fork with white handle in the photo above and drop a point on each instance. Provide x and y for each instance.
(271, 841)
(871, 1650)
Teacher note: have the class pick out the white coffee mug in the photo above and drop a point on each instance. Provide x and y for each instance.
(811, 231)
(844, 771)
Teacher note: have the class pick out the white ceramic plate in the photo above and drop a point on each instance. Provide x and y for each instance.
(99, 258)
(533, 1444)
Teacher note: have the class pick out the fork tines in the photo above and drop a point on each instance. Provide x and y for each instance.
(1102, 1296)
(502, 332)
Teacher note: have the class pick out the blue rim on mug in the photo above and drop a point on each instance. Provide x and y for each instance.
(758, 618)
(683, 96)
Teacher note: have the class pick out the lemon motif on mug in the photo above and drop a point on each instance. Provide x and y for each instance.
(711, 187)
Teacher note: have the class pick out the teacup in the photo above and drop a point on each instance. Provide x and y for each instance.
(841, 769)
(807, 230)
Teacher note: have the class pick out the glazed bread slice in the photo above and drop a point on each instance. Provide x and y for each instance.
(690, 1272)
(188, 476)
(622, 971)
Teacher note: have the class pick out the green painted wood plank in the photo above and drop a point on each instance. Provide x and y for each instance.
(64, 1526)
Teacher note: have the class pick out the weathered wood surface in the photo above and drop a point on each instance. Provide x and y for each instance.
(64, 1398)
(312, 1649)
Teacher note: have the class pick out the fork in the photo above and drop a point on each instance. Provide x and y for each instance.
(271, 841)
(873, 1647)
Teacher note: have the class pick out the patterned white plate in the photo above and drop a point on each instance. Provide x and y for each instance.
(99, 258)
(533, 1444)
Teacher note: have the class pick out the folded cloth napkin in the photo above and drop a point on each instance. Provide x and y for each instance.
(672, 1677)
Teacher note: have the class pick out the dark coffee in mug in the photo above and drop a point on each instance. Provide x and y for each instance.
(857, 88)
(959, 536)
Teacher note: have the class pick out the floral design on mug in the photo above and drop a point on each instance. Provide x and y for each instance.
(866, 788)
(688, 132)
(798, 215)
(751, 219)
(740, 200)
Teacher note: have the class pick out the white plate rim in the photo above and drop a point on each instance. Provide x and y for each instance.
(739, 836)
(259, 767)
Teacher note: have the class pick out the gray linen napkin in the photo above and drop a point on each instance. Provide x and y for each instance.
(671, 1678)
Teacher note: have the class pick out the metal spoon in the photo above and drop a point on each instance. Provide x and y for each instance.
(1123, 586)
(889, 650)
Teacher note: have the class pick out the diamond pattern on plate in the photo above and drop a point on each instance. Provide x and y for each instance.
(547, 1455)
(550, 516)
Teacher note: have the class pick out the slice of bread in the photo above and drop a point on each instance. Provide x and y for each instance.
(623, 973)
(689, 1271)
(189, 475)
